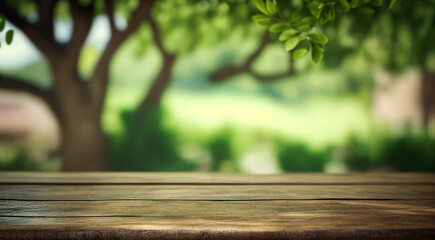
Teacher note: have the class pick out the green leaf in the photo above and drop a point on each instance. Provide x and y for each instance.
(340, 9)
(316, 8)
(298, 14)
(299, 53)
(259, 4)
(263, 20)
(271, 7)
(331, 14)
(362, 2)
(9, 36)
(278, 27)
(377, 3)
(319, 38)
(287, 34)
(316, 52)
(345, 5)
(392, 4)
(315, 5)
(301, 50)
(309, 20)
(2, 24)
(292, 43)
(354, 3)
(304, 28)
(366, 10)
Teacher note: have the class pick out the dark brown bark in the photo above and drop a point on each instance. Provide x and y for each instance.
(84, 145)
(159, 85)
(428, 98)
(110, 12)
(232, 71)
(163, 79)
(100, 76)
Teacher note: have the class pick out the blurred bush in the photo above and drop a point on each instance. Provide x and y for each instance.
(151, 146)
(220, 150)
(404, 152)
(16, 158)
(298, 157)
(407, 151)
(145, 144)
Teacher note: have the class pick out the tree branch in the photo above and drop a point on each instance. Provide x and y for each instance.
(15, 84)
(156, 35)
(159, 85)
(44, 43)
(273, 77)
(108, 5)
(46, 16)
(82, 16)
(264, 41)
(153, 97)
(231, 71)
(99, 81)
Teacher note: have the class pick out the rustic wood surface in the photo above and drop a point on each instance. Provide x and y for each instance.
(216, 206)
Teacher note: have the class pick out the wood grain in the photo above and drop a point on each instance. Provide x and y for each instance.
(202, 206)
(213, 192)
(214, 178)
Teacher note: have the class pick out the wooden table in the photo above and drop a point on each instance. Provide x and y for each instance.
(216, 206)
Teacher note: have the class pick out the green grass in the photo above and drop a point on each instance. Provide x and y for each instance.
(318, 121)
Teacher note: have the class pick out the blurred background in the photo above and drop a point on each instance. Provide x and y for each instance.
(184, 85)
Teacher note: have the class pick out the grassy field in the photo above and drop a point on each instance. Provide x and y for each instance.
(319, 121)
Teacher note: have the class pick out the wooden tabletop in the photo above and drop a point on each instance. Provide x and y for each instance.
(216, 206)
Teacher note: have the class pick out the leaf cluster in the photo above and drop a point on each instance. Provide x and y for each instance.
(296, 25)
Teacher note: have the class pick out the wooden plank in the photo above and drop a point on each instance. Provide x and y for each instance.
(214, 220)
(360, 234)
(214, 178)
(216, 206)
(214, 192)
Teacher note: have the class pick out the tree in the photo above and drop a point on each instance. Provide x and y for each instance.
(77, 103)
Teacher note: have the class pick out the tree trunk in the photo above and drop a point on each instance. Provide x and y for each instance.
(428, 98)
(84, 144)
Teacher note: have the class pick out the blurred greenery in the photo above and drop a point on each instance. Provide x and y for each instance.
(145, 145)
(153, 147)
(318, 120)
(298, 157)
(19, 158)
(221, 153)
